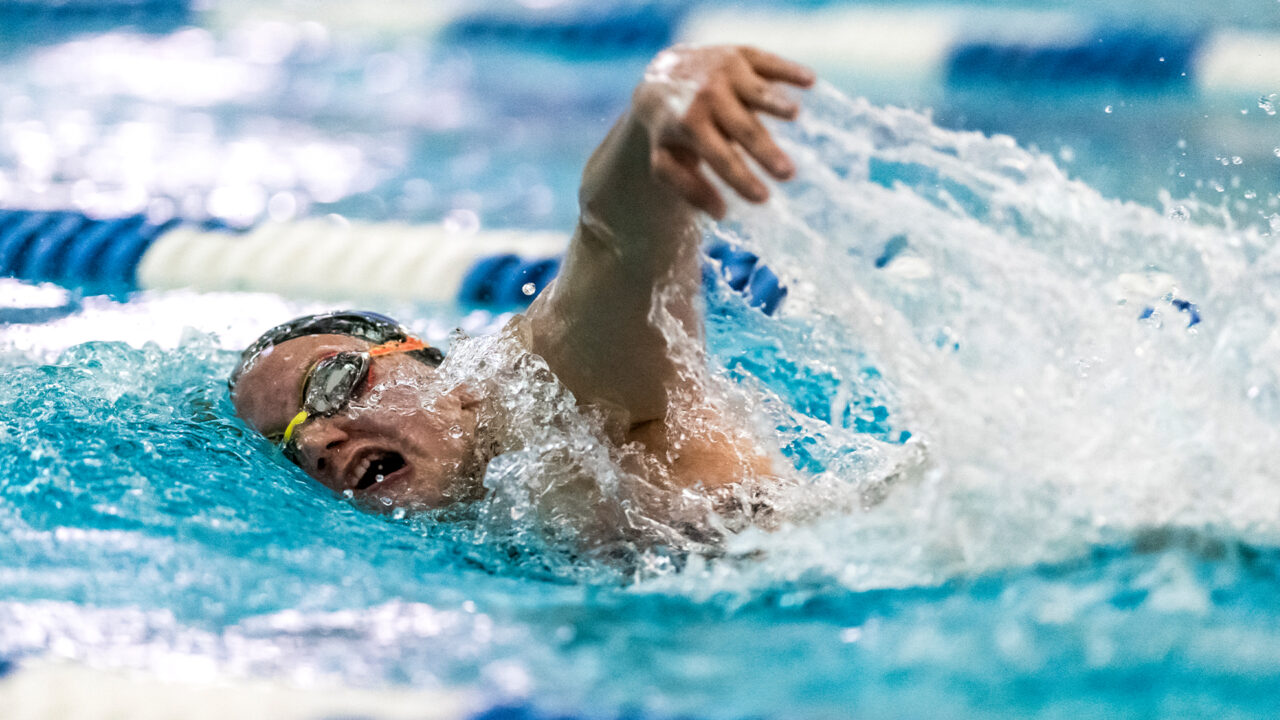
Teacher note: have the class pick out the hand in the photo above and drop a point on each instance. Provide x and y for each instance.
(701, 105)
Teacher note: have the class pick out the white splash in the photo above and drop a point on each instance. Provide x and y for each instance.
(1073, 369)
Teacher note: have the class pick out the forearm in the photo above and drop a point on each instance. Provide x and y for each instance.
(635, 233)
(635, 250)
(622, 204)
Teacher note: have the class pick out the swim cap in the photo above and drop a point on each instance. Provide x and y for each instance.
(370, 326)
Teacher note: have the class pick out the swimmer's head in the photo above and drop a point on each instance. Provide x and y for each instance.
(359, 404)
(371, 326)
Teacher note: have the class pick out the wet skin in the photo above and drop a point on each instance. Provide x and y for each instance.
(403, 424)
(695, 113)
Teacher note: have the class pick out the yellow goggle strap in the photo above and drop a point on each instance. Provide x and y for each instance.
(297, 420)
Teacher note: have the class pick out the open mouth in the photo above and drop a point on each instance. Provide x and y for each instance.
(377, 467)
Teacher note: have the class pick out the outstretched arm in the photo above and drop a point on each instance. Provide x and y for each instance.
(696, 111)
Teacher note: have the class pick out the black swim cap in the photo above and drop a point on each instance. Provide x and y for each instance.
(370, 326)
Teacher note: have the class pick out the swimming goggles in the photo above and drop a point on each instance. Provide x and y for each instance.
(333, 381)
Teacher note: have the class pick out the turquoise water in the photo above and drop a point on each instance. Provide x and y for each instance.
(1026, 484)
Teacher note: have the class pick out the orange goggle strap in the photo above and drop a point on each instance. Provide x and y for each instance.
(388, 348)
(409, 344)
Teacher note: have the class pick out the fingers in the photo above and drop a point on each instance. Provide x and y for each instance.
(772, 67)
(678, 168)
(722, 122)
(718, 152)
(740, 125)
(764, 96)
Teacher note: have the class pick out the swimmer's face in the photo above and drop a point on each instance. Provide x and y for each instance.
(403, 423)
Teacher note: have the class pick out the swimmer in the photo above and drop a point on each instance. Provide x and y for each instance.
(420, 443)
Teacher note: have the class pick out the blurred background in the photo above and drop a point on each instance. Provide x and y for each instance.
(480, 114)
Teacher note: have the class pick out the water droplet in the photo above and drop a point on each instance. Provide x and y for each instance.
(528, 289)
(1107, 109)
(399, 514)
(1180, 213)
(455, 432)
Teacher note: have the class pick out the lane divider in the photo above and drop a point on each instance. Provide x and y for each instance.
(46, 20)
(326, 258)
(955, 47)
(947, 46)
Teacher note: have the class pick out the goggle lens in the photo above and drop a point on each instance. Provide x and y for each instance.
(333, 382)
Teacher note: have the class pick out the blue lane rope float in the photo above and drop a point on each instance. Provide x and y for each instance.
(743, 271)
(83, 259)
(1119, 58)
(50, 20)
(319, 258)
(592, 27)
(73, 249)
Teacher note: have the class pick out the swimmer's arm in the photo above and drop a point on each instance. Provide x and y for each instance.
(695, 112)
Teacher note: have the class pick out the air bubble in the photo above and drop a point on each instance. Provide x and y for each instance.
(399, 513)
(455, 432)
(529, 289)
(1267, 104)
(385, 501)
(1180, 213)
(379, 478)
(1108, 109)
(348, 494)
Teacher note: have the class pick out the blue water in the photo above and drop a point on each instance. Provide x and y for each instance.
(140, 521)
(1003, 509)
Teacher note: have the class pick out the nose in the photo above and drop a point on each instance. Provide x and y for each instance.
(318, 441)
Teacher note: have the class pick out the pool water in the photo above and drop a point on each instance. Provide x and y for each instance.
(1033, 426)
